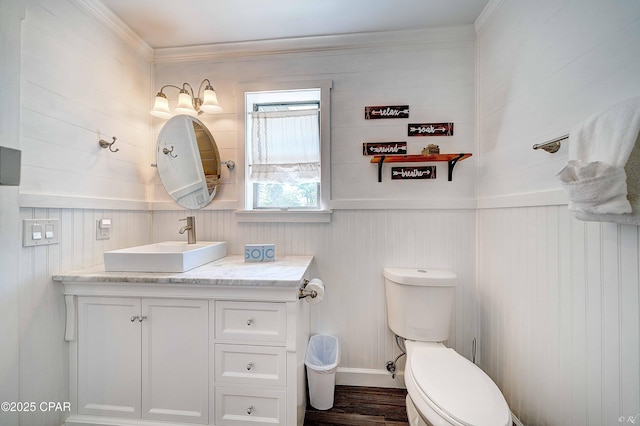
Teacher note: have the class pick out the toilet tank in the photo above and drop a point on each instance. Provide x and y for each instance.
(420, 302)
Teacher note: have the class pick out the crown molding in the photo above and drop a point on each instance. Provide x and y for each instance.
(273, 46)
(114, 24)
(491, 11)
(314, 44)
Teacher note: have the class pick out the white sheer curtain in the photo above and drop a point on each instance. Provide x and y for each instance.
(285, 146)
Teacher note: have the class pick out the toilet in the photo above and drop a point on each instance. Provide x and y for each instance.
(444, 388)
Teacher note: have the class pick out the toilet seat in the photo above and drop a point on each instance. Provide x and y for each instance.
(453, 387)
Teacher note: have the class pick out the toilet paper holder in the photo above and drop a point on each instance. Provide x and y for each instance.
(303, 292)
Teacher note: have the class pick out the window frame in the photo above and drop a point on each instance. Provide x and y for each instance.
(246, 212)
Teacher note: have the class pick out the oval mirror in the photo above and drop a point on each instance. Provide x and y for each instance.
(188, 161)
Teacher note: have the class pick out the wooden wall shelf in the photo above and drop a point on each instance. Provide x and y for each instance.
(451, 160)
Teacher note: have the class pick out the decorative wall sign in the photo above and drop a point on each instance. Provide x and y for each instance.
(430, 129)
(381, 148)
(386, 111)
(412, 172)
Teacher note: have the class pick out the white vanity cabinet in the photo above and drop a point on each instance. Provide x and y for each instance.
(218, 345)
(143, 358)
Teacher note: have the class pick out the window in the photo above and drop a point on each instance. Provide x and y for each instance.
(286, 152)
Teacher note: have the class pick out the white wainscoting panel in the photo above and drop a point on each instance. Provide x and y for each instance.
(350, 253)
(559, 320)
(44, 355)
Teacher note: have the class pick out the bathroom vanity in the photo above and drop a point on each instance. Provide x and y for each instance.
(221, 344)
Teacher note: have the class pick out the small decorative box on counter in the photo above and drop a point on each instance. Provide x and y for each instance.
(259, 252)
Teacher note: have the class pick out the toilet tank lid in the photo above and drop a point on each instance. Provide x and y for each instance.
(421, 276)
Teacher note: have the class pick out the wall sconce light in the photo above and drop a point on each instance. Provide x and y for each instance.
(188, 103)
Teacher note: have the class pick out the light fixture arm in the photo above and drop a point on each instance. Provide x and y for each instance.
(161, 92)
(184, 90)
(208, 87)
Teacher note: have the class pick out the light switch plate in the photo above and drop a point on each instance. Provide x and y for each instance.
(47, 229)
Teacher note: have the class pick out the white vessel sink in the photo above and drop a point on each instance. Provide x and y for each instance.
(169, 256)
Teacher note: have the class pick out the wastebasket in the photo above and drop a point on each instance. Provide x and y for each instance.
(321, 361)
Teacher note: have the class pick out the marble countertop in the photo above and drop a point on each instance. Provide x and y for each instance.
(228, 271)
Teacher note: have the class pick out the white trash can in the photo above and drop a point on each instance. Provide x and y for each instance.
(321, 361)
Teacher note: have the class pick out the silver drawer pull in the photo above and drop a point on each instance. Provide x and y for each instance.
(142, 318)
(249, 366)
(250, 321)
(250, 410)
(134, 317)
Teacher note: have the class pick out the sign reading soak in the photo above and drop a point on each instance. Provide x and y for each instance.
(409, 172)
(430, 129)
(259, 252)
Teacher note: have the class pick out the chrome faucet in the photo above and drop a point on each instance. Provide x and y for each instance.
(191, 227)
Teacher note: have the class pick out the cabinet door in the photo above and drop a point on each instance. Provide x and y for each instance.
(175, 352)
(109, 356)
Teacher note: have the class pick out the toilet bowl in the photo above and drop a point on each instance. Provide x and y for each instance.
(444, 388)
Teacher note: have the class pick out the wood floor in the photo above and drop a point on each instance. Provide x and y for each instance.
(362, 406)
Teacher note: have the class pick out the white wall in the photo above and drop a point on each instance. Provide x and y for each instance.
(11, 13)
(558, 298)
(540, 68)
(433, 72)
(543, 67)
(81, 83)
(66, 83)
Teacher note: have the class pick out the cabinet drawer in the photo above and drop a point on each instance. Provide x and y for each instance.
(259, 365)
(238, 406)
(251, 321)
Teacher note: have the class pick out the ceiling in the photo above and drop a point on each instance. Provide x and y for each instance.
(171, 23)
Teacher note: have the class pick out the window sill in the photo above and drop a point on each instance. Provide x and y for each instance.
(293, 216)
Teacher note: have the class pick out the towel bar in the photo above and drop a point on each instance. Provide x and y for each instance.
(552, 145)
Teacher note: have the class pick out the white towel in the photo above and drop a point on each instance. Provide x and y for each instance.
(633, 188)
(595, 179)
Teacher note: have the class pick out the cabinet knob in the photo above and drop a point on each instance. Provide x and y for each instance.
(134, 317)
(142, 318)
(249, 366)
(250, 321)
(250, 409)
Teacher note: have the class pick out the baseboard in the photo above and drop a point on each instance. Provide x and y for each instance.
(368, 377)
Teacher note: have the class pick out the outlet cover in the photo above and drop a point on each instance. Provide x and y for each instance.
(103, 229)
